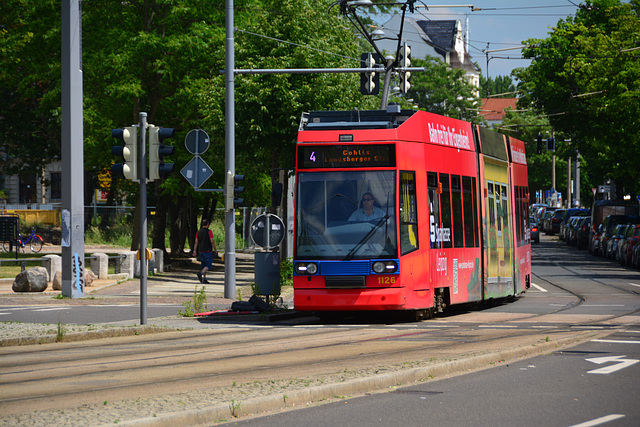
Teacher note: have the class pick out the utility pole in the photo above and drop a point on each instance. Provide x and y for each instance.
(73, 282)
(569, 187)
(230, 155)
(576, 178)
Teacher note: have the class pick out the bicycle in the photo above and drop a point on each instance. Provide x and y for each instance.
(35, 242)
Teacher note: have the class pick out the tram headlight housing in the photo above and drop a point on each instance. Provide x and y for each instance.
(308, 268)
(384, 267)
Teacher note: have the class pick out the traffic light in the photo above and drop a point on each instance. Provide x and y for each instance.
(551, 144)
(369, 80)
(539, 139)
(232, 190)
(405, 62)
(128, 150)
(157, 150)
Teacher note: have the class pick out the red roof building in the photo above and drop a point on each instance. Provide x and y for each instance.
(493, 109)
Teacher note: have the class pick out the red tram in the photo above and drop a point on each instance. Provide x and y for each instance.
(407, 210)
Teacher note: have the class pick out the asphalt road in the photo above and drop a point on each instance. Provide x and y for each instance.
(214, 370)
(592, 384)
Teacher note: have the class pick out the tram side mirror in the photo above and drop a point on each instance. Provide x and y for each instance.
(276, 194)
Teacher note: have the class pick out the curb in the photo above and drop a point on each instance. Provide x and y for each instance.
(123, 331)
(280, 401)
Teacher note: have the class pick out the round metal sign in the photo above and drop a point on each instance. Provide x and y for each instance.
(267, 231)
(196, 141)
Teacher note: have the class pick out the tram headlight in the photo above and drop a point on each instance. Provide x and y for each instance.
(384, 267)
(306, 268)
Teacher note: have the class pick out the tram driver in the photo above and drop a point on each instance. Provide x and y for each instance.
(367, 211)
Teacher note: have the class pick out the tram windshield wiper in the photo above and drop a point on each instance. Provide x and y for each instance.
(366, 237)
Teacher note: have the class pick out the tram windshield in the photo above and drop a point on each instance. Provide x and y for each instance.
(346, 215)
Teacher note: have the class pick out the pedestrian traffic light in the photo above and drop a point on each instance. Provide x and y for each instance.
(551, 144)
(232, 190)
(157, 150)
(369, 80)
(128, 151)
(539, 139)
(405, 62)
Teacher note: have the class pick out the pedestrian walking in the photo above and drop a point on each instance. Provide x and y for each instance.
(205, 247)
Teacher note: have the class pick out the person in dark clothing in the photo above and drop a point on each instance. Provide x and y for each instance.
(205, 246)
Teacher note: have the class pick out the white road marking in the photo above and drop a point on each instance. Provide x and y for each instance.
(617, 341)
(52, 309)
(600, 420)
(538, 287)
(603, 305)
(633, 284)
(619, 363)
(498, 326)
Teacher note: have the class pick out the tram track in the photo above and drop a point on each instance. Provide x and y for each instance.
(235, 359)
(345, 348)
(570, 268)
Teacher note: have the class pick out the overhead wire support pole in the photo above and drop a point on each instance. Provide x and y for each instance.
(230, 153)
(73, 280)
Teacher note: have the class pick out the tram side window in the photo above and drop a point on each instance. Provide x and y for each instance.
(499, 208)
(470, 201)
(408, 213)
(520, 225)
(491, 201)
(525, 214)
(456, 204)
(434, 210)
(445, 210)
(505, 207)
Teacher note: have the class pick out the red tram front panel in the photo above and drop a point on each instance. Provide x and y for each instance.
(423, 177)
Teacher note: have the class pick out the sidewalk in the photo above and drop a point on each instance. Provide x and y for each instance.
(176, 286)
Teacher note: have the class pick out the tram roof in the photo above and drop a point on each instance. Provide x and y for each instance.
(355, 119)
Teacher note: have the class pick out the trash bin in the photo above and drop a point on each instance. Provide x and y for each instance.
(267, 273)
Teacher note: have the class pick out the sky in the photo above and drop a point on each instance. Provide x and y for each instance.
(499, 24)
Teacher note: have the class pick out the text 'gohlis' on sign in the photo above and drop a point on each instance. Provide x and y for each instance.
(346, 156)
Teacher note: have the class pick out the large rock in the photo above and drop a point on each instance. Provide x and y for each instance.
(89, 277)
(35, 279)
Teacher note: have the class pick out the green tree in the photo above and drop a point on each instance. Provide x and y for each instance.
(498, 85)
(443, 90)
(588, 82)
(29, 85)
(164, 57)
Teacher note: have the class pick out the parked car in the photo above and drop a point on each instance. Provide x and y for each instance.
(571, 230)
(602, 209)
(612, 242)
(583, 233)
(605, 230)
(626, 246)
(567, 215)
(553, 225)
(536, 206)
(535, 231)
(542, 222)
(635, 258)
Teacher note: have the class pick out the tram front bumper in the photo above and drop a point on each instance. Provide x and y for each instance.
(349, 299)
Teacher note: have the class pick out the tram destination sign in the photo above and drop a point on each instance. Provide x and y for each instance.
(346, 156)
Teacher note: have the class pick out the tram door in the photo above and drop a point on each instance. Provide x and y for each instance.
(499, 239)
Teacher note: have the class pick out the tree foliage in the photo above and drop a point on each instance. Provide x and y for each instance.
(495, 86)
(587, 80)
(164, 57)
(443, 90)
